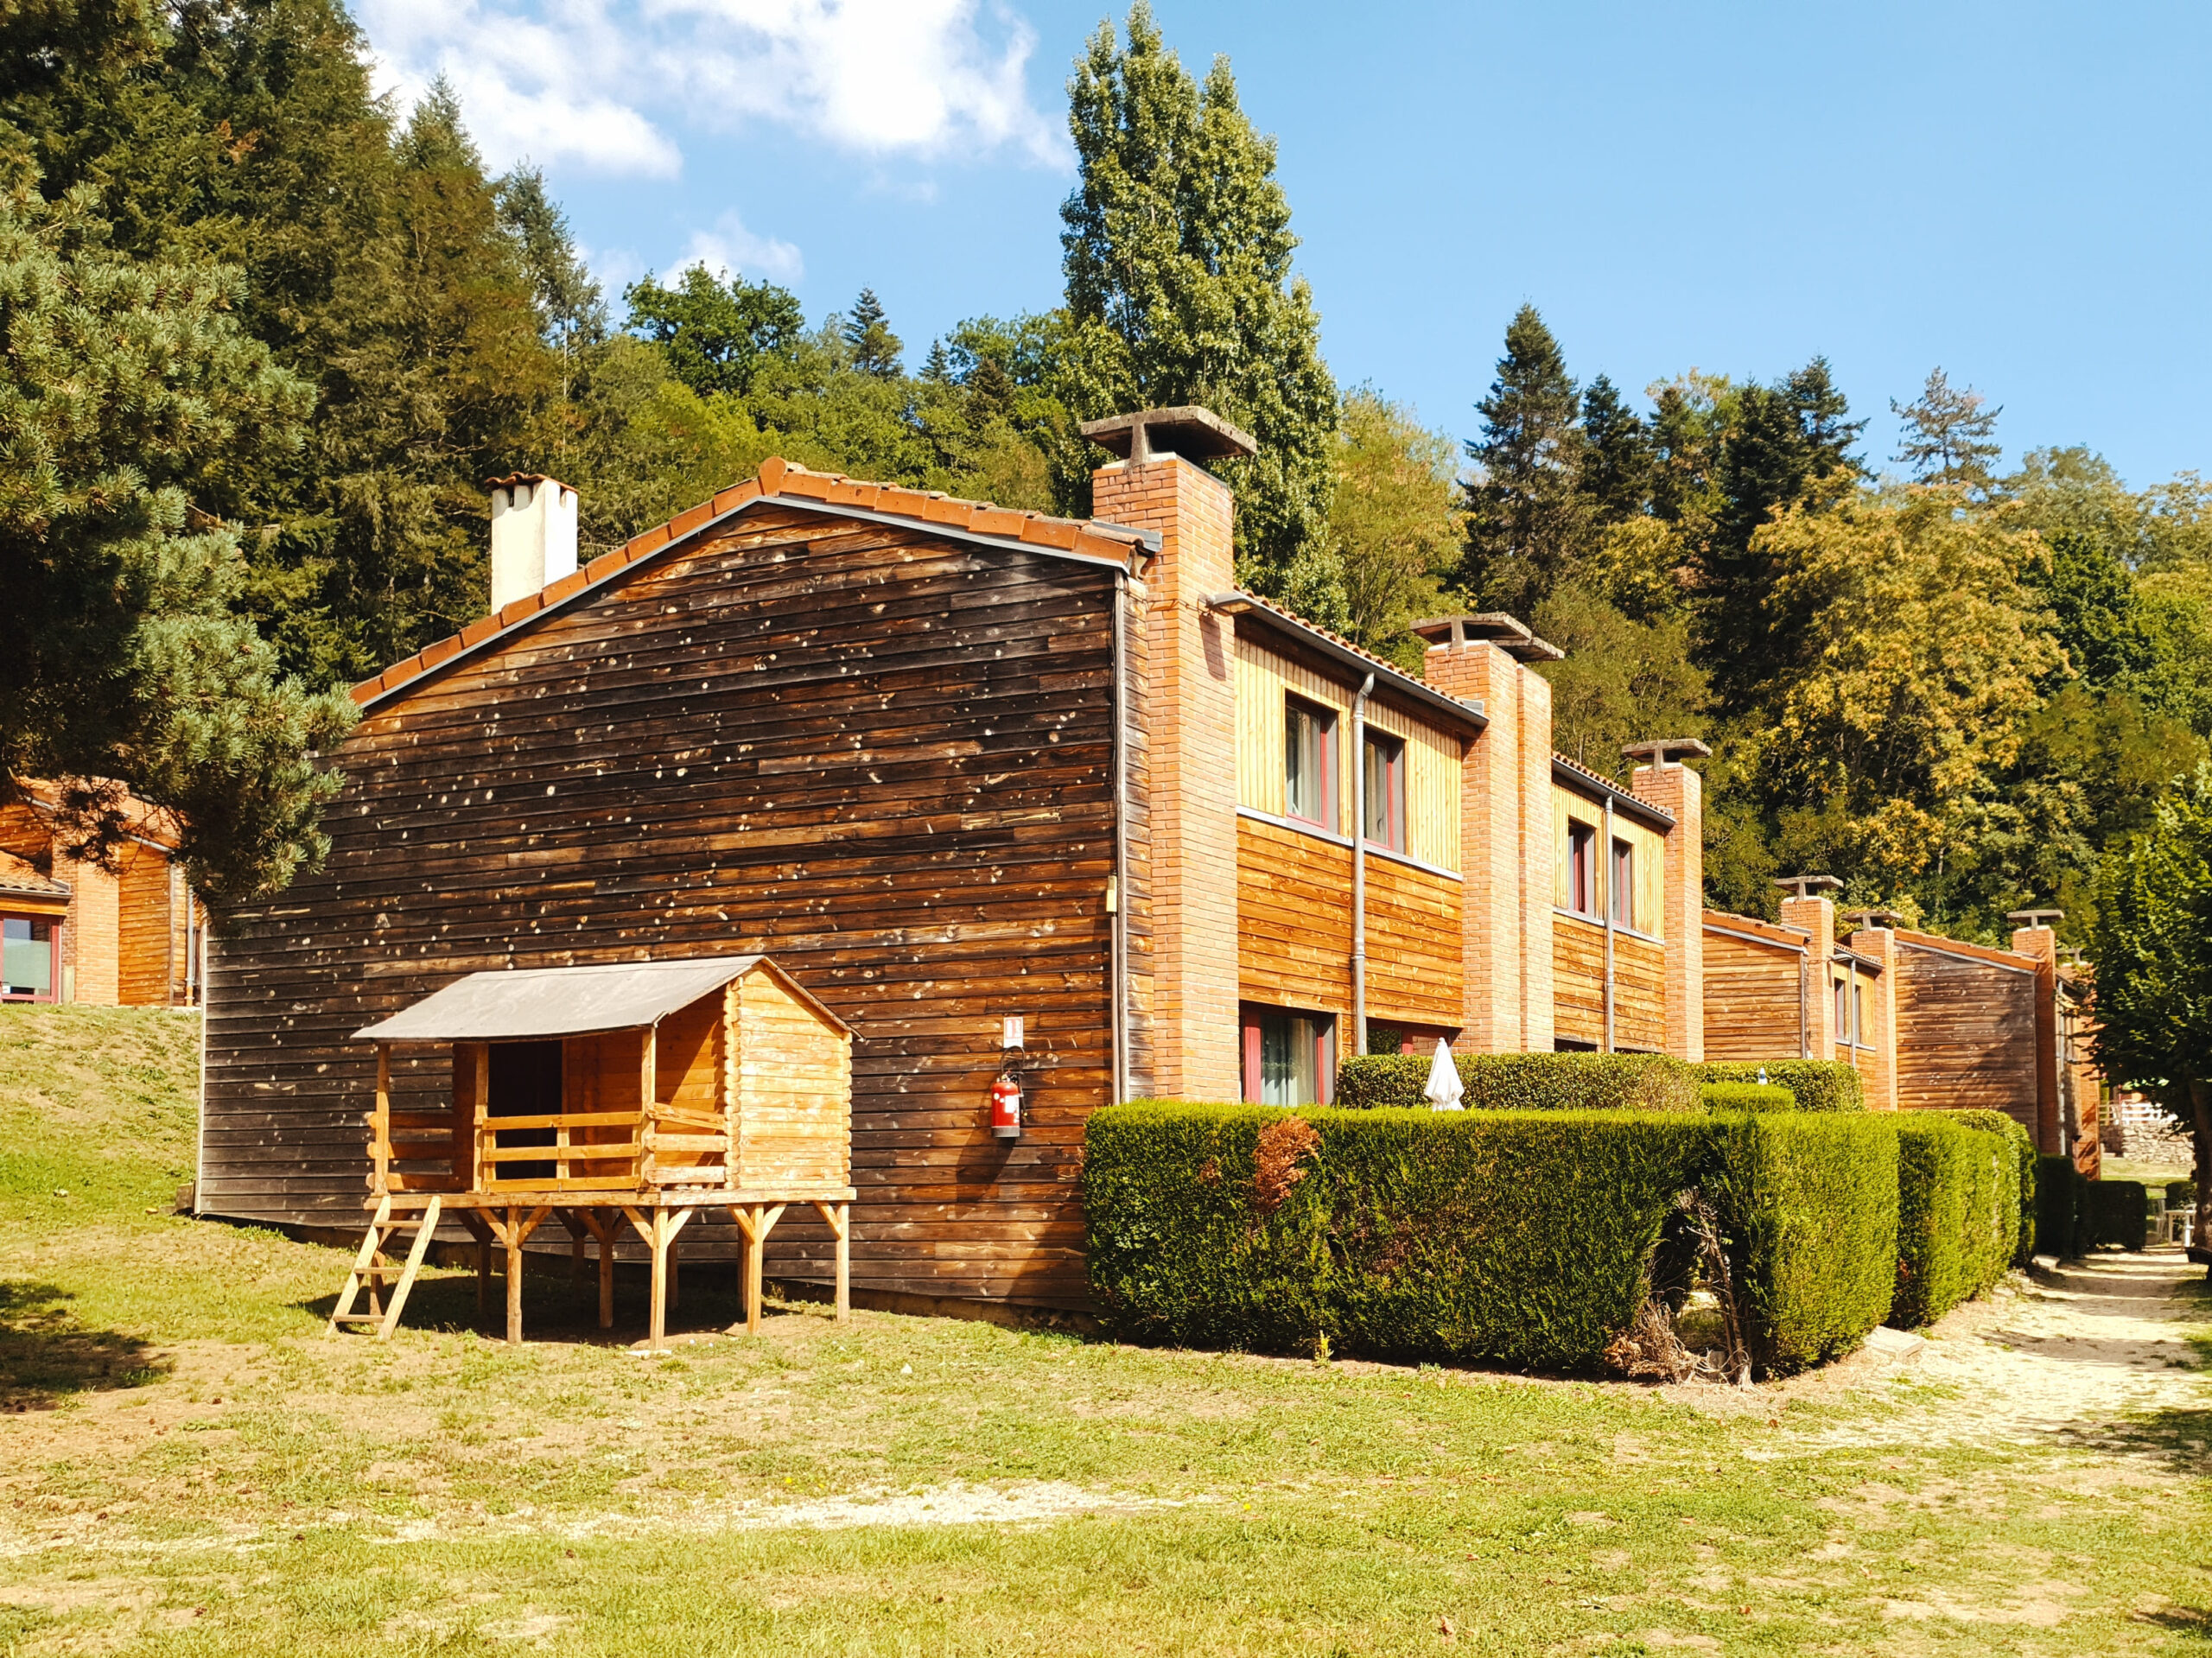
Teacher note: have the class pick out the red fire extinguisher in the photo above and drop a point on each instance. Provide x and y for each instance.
(1006, 1107)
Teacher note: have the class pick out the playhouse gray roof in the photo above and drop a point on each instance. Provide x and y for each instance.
(519, 1004)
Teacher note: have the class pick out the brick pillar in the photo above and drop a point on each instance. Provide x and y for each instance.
(1680, 792)
(2041, 944)
(1190, 700)
(1816, 918)
(1505, 849)
(1880, 945)
(95, 940)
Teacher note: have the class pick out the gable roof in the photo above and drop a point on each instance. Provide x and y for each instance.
(1593, 786)
(780, 484)
(523, 1004)
(20, 876)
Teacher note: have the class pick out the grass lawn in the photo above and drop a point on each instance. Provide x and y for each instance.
(188, 1466)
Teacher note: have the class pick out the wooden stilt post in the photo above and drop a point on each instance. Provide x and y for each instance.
(658, 1328)
(514, 1277)
(675, 1272)
(838, 1218)
(605, 1237)
(576, 1246)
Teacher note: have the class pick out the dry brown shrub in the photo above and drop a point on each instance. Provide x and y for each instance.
(1275, 1161)
(1209, 1171)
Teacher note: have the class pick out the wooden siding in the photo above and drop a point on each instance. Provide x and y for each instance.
(1649, 906)
(1751, 1009)
(1579, 986)
(883, 758)
(1413, 957)
(1265, 678)
(789, 1072)
(1966, 1035)
(1639, 994)
(146, 925)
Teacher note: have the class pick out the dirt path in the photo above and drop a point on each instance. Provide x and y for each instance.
(2067, 1351)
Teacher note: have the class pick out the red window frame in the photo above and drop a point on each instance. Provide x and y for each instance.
(1581, 867)
(1622, 897)
(1325, 722)
(54, 944)
(1249, 1015)
(1393, 751)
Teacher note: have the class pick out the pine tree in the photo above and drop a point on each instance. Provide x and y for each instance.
(1617, 459)
(875, 349)
(1949, 436)
(1527, 521)
(1176, 253)
(127, 390)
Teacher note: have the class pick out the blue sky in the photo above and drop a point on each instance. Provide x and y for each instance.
(2018, 193)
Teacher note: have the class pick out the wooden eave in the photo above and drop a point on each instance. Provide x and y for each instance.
(1095, 543)
(1752, 930)
(1348, 664)
(2010, 960)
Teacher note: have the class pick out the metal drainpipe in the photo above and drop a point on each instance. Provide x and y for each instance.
(1118, 932)
(1804, 1026)
(1612, 906)
(1359, 866)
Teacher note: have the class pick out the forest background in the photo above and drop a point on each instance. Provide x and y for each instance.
(264, 336)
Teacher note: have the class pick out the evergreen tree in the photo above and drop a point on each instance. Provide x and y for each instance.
(717, 336)
(1617, 456)
(127, 391)
(867, 333)
(1526, 519)
(1949, 436)
(572, 312)
(1176, 253)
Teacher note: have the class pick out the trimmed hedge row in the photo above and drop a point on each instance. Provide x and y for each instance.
(2024, 1152)
(1745, 1096)
(1525, 1082)
(1817, 1085)
(2120, 1213)
(2062, 1204)
(1514, 1237)
(1958, 1215)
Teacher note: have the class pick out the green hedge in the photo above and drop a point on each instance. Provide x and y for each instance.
(1745, 1096)
(1817, 1085)
(1510, 1236)
(1958, 1216)
(1525, 1082)
(2024, 1152)
(2061, 1198)
(2120, 1212)
(1810, 1204)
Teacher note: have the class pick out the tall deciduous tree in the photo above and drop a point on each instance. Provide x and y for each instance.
(717, 334)
(1177, 252)
(2152, 952)
(1949, 436)
(127, 391)
(1396, 519)
(1526, 519)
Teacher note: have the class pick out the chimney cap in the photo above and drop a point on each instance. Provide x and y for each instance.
(1809, 886)
(515, 478)
(1656, 749)
(2034, 917)
(1195, 434)
(1509, 633)
(1873, 919)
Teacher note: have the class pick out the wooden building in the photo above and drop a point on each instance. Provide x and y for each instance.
(129, 933)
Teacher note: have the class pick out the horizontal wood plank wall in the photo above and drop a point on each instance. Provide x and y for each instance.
(1577, 980)
(1265, 677)
(1751, 999)
(1639, 992)
(1293, 918)
(1649, 901)
(143, 925)
(1414, 955)
(1966, 1035)
(791, 1070)
(883, 758)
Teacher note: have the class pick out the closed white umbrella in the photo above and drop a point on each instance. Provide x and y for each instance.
(1444, 1088)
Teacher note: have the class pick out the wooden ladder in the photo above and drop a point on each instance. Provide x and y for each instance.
(371, 1272)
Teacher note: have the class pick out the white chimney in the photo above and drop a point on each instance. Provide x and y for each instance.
(533, 535)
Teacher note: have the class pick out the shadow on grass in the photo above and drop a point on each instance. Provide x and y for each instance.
(2181, 1620)
(46, 1354)
(558, 1308)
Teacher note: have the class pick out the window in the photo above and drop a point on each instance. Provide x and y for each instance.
(1843, 1032)
(1309, 782)
(1289, 1058)
(1581, 868)
(1384, 787)
(27, 952)
(1858, 1013)
(1624, 889)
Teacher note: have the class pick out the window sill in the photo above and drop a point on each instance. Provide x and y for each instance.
(1299, 825)
(1598, 922)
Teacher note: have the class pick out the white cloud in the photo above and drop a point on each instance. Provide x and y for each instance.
(572, 81)
(729, 247)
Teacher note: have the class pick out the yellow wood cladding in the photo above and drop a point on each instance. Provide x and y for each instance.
(1647, 911)
(1265, 679)
(792, 1077)
(1639, 994)
(1293, 921)
(1579, 987)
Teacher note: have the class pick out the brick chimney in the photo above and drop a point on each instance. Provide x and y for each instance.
(1812, 912)
(2035, 935)
(1187, 693)
(1663, 781)
(533, 534)
(1505, 828)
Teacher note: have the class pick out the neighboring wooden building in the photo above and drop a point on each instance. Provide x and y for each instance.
(129, 935)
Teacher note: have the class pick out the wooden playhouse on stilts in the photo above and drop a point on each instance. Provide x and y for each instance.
(637, 1094)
